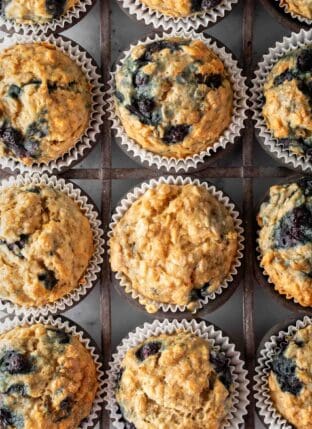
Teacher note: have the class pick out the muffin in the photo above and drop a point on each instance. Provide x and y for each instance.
(288, 100)
(176, 244)
(290, 379)
(173, 97)
(285, 239)
(48, 379)
(181, 8)
(46, 243)
(174, 381)
(299, 7)
(45, 103)
(36, 11)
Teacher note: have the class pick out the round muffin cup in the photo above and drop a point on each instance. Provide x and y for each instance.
(70, 18)
(211, 301)
(93, 270)
(230, 135)
(266, 410)
(89, 138)
(263, 134)
(216, 338)
(261, 275)
(285, 18)
(205, 19)
(72, 328)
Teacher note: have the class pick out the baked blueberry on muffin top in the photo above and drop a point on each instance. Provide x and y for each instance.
(45, 103)
(288, 102)
(174, 97)
(36, 11)
(299, 7)
(45, 244)
(285, 239)
(175, 381)
(290, 379)
(47, 379)
(176, 244)
(181, 8)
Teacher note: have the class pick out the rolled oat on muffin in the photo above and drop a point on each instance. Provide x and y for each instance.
(48, 378)
(175, 244)
(45, 103)
(46, 243)
(285, 239)
(174, 97)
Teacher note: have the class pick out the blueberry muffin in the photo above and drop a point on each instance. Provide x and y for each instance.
(45, 103)
(285, 239)
(174, 381)
(47, 379)
(174, 97)
(181, 8)
(288, 102)
(290, 380)
(36, 11)
(299, 7)
(175, 245)
(46, 243)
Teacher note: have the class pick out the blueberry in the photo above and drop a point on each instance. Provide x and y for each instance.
(143, 108)
(306, 186)
(18, 388)
(304, 60)
(176, 133)
(6, 418)
(285, 371)
(118, 377)
(146, 106)
(119, 96)
(221, 365)
(13, 139)
(14, 91)
(147, 350)
(36, 82)
(299, 343)
(294, 228)
(199, 293)
(60, 335)
(17, 246)
(213, 80)
(208, 4)
(32, 148)
(140, 79)
(34, 190)
(52, 86)
(14, 363)
(37, 129)
(305, 87)
(55, 7)
(287, 75)
(127, 424)
(48, 279)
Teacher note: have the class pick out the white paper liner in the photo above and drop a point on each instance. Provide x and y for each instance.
(169, 23)
(71, 328)
(266, 408)
(94, 267)
(56, 25)
(229, 135)
(88, 139)
(288, 44)
(216, 339)
(137, 192)
(294, 15)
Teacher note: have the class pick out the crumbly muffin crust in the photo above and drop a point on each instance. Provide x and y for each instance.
(174, 97)
(285, 239)
(36, 11)
(288, 101)
(299, 7)
(47, 379)
(290, 380)
(174, 381)
(45, 244)
(175, 244)
(45, 103)
(181, 8)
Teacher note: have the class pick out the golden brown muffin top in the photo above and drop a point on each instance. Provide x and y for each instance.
(181, 8)
(299, 7)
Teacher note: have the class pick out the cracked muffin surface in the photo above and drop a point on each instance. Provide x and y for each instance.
(36, 11)
(285, 239)
(181, 8)
(45, 102)
(299, 7)
(288, 102)
(175, 381)
(46, 243)
(47, 379)
(175, 244)
(174, 97)
(290, 379)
